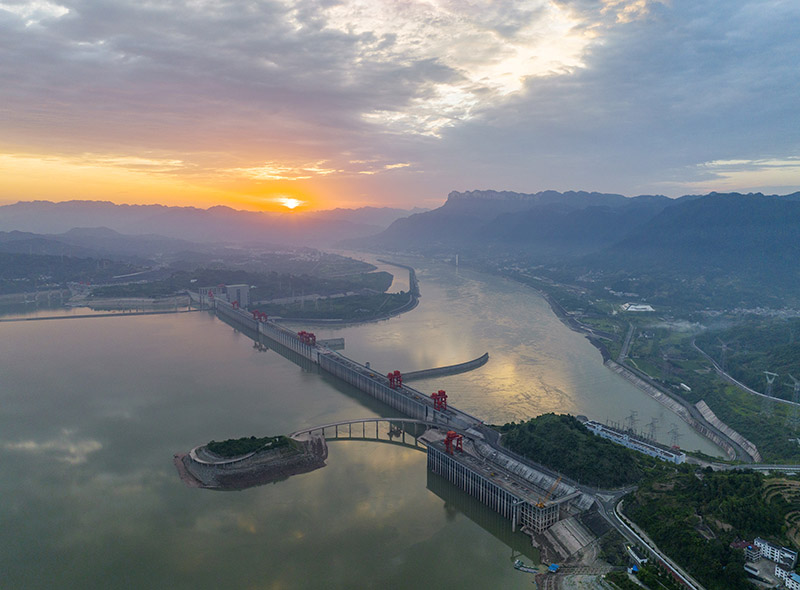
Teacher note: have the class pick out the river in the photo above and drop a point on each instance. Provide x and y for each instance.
(92, 410)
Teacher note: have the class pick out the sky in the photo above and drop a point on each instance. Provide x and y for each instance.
(317, 104)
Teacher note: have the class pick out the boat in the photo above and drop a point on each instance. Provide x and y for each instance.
(525, 568)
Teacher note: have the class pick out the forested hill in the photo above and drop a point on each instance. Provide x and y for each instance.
(564, 444)
(717, 231)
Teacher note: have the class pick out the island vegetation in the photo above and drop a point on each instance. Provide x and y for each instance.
(234, 447)
(264, 286)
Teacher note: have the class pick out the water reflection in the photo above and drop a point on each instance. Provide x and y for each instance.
(92, 411)
(537, 364)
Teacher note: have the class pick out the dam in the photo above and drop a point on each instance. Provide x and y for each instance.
(459, 447)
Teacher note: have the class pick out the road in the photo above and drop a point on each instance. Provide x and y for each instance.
(623, 352)
(609, 509)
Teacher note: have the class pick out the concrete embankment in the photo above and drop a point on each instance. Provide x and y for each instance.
(711, 417)
(59, 295)
(731, 448)
(448, 370)
(117, 314)
(413, 283)
(688, 413)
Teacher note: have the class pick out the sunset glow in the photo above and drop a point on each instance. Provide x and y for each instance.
(290, 203)
(378, 102)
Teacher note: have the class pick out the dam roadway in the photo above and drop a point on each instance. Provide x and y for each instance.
(529, 495)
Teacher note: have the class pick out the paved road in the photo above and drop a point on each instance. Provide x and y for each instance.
(623, 353)
(635, 535)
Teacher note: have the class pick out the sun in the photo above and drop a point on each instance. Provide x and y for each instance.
(289, 202)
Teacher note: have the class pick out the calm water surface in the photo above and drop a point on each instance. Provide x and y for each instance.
(92, 410)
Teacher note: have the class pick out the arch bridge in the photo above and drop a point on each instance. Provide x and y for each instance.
(388, 430)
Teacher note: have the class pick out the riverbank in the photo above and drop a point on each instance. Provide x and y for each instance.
(410, 305)
(110, 303)
(413, 301)
(686, 411)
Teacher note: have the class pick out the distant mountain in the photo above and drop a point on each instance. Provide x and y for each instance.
(217, 224)
(555, 230)
(547, 221)
(747, 244)
(717, 232)
(17, 242)
(378, 217)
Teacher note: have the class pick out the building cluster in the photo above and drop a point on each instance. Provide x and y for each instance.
(637, 443)
(784, 558)
(239, 294)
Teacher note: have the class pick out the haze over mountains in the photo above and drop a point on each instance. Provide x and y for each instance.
(551, 225)
(217, 224)
(706, 243)
(751, 239)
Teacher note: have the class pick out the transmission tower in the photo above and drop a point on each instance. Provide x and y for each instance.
(794, 417)
(651, 428)
(631, 421)
(675, 436)
(766, 401)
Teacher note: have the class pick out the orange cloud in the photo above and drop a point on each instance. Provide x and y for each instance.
(141, 180)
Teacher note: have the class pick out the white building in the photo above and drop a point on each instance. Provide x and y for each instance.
(240, 293)
(637, 307)
(790, 579)
(783, 556)
(636, 443)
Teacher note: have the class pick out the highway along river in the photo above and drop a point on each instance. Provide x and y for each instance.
(92, 410)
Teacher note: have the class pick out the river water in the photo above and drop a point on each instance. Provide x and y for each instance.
(92, 411)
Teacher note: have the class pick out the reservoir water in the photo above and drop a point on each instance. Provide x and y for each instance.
(92, 411)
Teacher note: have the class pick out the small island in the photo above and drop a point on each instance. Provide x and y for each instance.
(236, 464)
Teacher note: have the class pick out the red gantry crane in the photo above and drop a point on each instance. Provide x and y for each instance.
(439, 400)
(307, 337)
(453, 441)
(395, 380)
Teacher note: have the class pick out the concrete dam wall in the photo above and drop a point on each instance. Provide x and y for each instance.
(448, 370)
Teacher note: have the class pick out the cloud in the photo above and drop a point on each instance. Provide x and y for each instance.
(277, 171)
(621, 95)
(742, 175)
(684, 84)
(64, 447)
(32, 13)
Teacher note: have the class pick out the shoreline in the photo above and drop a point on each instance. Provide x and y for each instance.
(413, 302)
(682, 409)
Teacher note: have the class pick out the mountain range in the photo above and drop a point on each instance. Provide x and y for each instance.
(708, 241)
(216, 224)
(714, 241)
